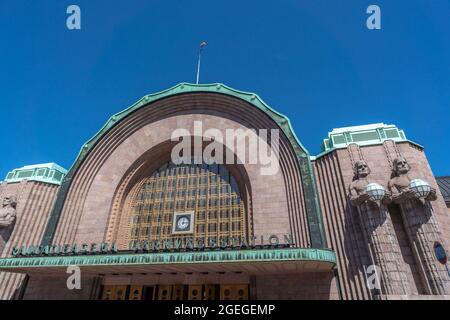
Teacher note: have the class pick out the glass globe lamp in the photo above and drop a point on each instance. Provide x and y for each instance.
(420, 188)
(375, 191)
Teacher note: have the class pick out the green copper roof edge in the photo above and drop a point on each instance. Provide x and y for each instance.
(48, 167)
(318, 239)
(11, 181)
(250, 256)
(179, 89)
(324, 153)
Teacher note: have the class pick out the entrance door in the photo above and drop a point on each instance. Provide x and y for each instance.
(195, 292)
(120, 293)
(114, 292)
(177, 292)
(164, 292)
(135, 293)
(210, 292)
(234, 292)
(108, 292)
(148, 293)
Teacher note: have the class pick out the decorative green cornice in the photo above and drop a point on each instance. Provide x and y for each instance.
(363, 135)
(324, 153)
(313, 210)
(46, 172)
(194, 257)
(183, 88)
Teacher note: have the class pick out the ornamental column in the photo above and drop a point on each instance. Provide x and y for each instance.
(370, 200)
(414, 197)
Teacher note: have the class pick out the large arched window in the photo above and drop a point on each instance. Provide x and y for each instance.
(208, 192)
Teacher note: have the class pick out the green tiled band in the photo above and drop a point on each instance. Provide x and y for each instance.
(228, 256)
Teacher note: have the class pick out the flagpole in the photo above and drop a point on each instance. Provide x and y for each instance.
(199, 59)
(198, 64)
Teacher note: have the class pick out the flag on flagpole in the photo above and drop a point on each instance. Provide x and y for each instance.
(199, 58)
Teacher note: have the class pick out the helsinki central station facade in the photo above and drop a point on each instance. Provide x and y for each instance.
(364, 219)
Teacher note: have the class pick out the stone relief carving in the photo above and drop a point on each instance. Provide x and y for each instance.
(371, 200)
(414, 195)
(8, 211)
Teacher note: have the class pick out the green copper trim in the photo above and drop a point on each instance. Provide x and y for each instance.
(363, 135)
(184, 88)
(206, 257)
(45, 172)
(314, 214)
(313, 158)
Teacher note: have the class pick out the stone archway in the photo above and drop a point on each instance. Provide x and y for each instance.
(143, 168)
(85, 200)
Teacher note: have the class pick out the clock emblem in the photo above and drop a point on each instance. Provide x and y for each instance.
(183, 223)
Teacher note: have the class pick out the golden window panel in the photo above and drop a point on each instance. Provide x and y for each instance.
(210, 191)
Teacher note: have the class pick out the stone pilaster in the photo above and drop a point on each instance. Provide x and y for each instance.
(422, 229)
(5, 234)
(384, 249)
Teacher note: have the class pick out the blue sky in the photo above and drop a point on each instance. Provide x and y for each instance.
(314, 61)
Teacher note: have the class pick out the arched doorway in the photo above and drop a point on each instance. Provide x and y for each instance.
(205, 195)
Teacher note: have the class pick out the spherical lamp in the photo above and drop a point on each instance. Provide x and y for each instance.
(375, 191)
(420, 188)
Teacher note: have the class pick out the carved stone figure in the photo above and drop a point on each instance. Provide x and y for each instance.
(414, 195)
(358, 188)
(7, 219)
(371, 201)
(8, 211)
(399, 185)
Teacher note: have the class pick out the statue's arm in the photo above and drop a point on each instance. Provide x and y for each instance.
(399, 196)
(387, 200)
(356, 198)
(395, 193)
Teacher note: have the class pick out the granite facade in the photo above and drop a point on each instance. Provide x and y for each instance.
(94, 209)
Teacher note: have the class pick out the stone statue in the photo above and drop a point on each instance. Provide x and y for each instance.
(420, 224)
(399, 184)
(371, 200)
(8, 211)
(7, 219)
(357, 189)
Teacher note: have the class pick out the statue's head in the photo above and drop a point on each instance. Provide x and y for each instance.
(9, 201)
(401, 166)
(361, 169)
